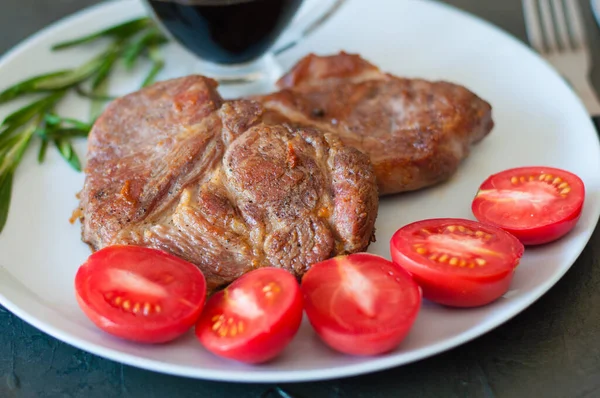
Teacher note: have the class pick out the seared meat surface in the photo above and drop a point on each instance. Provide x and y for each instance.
(174, 167)
(416, 132)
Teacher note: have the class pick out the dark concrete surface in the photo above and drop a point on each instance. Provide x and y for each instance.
(552, 349)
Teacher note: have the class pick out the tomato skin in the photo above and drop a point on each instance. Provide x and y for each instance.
(267, 337)
(457, 287)
(158, 328)
(348, 333)
(544, 234)
(454, 292)
(542, 227)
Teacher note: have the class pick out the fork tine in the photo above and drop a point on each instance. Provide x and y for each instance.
(561, 24)
(548, 25)
(532, 24)
(576, 23)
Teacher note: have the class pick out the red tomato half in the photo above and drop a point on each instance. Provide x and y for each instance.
(360, 304)
(254, 318)
(457, 262)
(140, 294)
(536, 204)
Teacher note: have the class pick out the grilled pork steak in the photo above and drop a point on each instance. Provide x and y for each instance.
(416, 132)
(174, 167)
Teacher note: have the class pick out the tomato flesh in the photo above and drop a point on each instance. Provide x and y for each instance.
(140, 294)
(254, 318)
(360, 304)
(536, 204)
(459, 263)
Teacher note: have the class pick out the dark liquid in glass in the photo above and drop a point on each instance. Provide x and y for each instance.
(226, 31)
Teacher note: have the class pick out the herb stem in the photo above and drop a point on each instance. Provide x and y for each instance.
(128, 41)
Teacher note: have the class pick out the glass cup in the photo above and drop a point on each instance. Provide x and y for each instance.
(235, 41)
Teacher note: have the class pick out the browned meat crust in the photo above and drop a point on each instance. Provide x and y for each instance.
(174, 167)
(416, 132)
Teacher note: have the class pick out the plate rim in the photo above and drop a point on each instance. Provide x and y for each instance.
(375, 363)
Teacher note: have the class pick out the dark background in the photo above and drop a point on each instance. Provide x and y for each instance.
(550, 350)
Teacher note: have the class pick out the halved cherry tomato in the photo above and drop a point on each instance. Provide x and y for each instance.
(140, 294)
(360, 304)
(254, 318)
(536, 204)
(457, 262)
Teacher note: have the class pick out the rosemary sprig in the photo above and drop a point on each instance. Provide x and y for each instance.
(27, 86)
(11, 156)
(93, 96)
(128, 42)
(123, 30)
(152, 38)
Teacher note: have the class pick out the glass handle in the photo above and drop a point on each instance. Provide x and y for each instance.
(307, 23)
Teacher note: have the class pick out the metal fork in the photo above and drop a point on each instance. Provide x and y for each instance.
(555, 29)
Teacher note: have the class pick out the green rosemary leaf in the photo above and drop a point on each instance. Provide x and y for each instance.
(7, 143)
(54, 81)
(23, 115)
(96, 97)
(74, 160)
(9, 160)
(137, 47)
(105, 69)
(43, 150)
(11, 154)
(68, 153)
(29, 85)
(54, 119)
(76, 75)
(5, 193)
(64, 148)
(157, 65)
(122, 30)
(66, 133)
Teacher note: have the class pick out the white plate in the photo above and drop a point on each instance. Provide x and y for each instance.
(539, 121)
